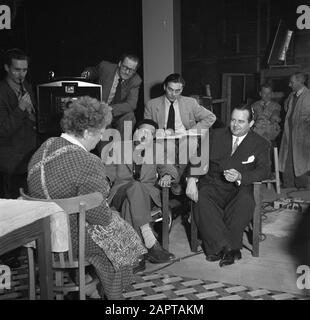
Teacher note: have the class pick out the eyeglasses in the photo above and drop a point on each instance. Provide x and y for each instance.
(127, 69)
(175, 91)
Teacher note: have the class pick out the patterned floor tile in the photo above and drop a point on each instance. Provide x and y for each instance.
(163, 287)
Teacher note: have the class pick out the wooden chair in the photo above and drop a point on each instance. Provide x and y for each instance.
(256, 225)
(63, 262)
(166, 218)
(257, 220)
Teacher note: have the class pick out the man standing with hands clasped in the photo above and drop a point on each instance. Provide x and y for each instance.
(224, 196)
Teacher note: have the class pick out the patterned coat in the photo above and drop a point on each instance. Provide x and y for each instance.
(72, 173)
(267, 119)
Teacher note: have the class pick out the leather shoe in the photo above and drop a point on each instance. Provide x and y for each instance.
(229, 257)
(157, 254)
(237, 254)
(215, 256)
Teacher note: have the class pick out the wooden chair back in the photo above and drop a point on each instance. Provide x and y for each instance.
(75, 205)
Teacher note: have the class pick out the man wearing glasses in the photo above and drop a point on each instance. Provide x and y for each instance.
(120, 87)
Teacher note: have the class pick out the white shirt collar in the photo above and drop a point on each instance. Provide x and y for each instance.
(240, 138)
(72, 139)
(168, 102)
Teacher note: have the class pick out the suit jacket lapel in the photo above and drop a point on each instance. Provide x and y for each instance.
(226, 146)
(160, 110)
(110, 81)
(183, 113)
(246, 142)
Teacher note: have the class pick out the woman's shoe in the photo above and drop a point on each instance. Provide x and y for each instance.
(139, 267)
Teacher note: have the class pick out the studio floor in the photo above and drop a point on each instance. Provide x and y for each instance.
(274, 269)
(271, 276)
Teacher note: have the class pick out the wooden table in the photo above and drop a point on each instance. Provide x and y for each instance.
(24, 225)
(39, 231)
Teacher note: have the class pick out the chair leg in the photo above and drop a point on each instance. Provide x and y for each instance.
(194, 231)
(59, 275)
(256, 219)
(31, 272)
(165, 222)
(276, 164)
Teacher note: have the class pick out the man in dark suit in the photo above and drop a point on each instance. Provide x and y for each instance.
(120, 87)
(17, 132)
(224, 197)
(17, 123)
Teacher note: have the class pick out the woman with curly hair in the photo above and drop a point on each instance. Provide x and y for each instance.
(63, 167)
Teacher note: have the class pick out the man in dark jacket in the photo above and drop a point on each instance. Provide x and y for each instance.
(17, 131)
(17, 123)
(224, 196)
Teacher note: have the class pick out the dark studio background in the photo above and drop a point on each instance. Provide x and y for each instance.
(66, 36)
(217, 36)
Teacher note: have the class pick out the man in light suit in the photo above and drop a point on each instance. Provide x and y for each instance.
(224, 196)
(120, 87)
(177, 114)
(294, 156)
(186, 112)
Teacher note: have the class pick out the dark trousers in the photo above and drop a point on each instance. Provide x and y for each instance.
(222, 213)
(134, 204)
(288, 176)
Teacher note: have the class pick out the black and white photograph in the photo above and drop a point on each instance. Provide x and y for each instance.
(155, 154)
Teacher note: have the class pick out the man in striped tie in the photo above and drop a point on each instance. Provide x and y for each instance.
(224, 196)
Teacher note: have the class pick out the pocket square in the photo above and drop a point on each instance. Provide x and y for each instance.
(250, 160)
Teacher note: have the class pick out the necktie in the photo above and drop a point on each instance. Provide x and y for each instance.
(295, 98)
(171, 118)
(118, 92)
(21, 89)
(235, 146)
(136, 169)
(30, 108)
